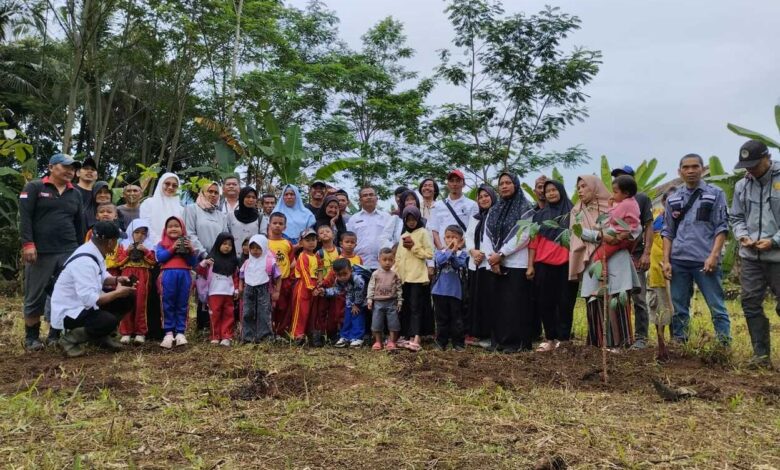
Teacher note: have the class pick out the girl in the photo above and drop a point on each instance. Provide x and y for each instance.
(176, 257)
(221, 272)
(135, 257)
(410, 264)
(260, 281)
(298, 217)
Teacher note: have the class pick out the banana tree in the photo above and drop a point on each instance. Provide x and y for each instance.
(725, 181)
(757, 135)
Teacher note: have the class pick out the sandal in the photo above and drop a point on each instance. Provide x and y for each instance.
(412, 346)
(546, 346)
(377, 346)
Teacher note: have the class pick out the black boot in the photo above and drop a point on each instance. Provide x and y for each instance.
(32, 341)
(54, 336)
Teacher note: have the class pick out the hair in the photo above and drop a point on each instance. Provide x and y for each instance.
(400, 190)
(435, 187)
(341, 191)
(341, 264)
(626, 184)
(692, 155)
(348, 234)
(265, 195)
(360, 193)
(385, 251)
(317, 229)
(277, 214)
(104, 204)
(246, 242)
(231, 177)
(454, 229)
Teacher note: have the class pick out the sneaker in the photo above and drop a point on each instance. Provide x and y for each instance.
(378, 346)
(53, 338)
(167, 342)
(181, 340)
(390, 346)
(215, 341)
(224, 342)
(485, 343)
(140, 339)
(471, 341)
(439, 347)
(341, 343)
(759, 362)
(33, 344)
(640, 343)
(356, 343)
(125, 339)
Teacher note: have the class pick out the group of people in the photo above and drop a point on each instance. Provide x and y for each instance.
(501, 272)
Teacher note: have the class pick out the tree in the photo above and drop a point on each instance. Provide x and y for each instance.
(522, 90)
(770, 142)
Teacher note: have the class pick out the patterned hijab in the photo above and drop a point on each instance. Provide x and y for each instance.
(504, 215)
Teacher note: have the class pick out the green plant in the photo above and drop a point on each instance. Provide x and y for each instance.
(16, 170)
(757, 135)
(725, 181)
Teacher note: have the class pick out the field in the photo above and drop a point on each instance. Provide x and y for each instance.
(279, 406)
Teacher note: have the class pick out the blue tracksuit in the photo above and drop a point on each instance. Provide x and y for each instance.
(175, 283)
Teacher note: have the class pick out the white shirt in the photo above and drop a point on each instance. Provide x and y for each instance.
(368, 227)
(221, 285)
(485, 245)
(79, 286)
(441, 217)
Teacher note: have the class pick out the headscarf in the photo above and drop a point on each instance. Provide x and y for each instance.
(158, 208)
(324, 219)
(559, 212)
(298, 216)
(135, 224)
(224, 264)
(203, 200)
(579, 251)
(504, 215)
(415, 213)
(244, 213)
(482, 214)
(255, 269)
(167, 242)
(90, 212)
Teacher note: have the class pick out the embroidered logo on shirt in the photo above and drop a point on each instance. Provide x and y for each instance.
(777, 186)
(44, 195)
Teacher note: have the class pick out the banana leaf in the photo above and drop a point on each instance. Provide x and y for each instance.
(753, 135)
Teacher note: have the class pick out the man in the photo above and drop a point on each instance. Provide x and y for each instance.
(87, 176)
(539, 192)
(268, 202)
(755, 218)
(456, 209)
(51, 227)
(79, 303)
(368, 225)
(316, 196)
(695, 227)
(641, 255)
(230, 189)
(131, 209)
(343, 198)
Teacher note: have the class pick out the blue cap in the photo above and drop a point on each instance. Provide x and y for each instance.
(63, 159)
(626, 170)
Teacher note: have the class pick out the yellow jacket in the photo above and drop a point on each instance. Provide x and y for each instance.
(410, 264)
(655, 275)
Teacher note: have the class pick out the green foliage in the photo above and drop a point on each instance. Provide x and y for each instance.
(725, 181)
(646, 181)
(770, 142)
(15, 170)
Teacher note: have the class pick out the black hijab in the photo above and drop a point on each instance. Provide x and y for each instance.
(481, 216)
(244, 214)
(90, 211)
(415, 213)
(559, 212)
(224, 264)
(504, 215)
(324, 219)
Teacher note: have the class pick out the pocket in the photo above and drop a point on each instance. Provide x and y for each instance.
(704, 212)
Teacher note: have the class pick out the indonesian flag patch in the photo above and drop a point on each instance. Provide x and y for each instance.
(23, 196)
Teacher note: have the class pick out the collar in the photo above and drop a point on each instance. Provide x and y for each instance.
(45, 180)
(365, 212)
(702, 185)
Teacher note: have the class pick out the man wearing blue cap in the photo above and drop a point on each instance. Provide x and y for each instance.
(51, 228)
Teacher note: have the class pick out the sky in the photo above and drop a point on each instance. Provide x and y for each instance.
(674, 72)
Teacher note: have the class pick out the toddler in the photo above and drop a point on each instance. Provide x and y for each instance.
(448, 292)
(625, 209)
(385, 299)
(220, 269)
(135, 258)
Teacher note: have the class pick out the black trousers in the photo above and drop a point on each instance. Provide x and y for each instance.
(555, 299)
(416, 300)
(449, 320)
(103, 321)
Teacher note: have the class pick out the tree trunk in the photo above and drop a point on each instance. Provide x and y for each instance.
(236, 49)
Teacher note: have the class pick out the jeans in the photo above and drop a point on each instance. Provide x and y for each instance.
(683, 277)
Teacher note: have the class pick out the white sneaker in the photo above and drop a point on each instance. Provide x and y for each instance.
(181, 340)
(356, 343)
(140, 339)
(214, 341)
(225, 342)
(341, 343)
(167, 342)
(125, 339)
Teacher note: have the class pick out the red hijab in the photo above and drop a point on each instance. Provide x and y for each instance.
(167, 242)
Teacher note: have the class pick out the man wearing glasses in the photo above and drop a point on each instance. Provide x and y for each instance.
(368, 225)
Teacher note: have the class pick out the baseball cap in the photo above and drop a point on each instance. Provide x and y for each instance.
(90, 162)
(626, 170)
(107, 230)
(751, 153)
(318, 183)
(63, 159)
(457, 173)
(307, 232)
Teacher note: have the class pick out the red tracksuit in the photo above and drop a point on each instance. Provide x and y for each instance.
(134, 323)
(306, 269)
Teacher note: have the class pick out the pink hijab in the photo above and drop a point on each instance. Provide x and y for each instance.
(579, 251)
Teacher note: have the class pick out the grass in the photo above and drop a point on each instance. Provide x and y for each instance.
(276, 406)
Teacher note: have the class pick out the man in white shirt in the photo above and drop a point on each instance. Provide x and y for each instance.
(368, 225)
(231, 186)
(456, 209)
(79, 303)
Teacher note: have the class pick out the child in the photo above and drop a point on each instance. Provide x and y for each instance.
(658, 297)
(626, 209)
(385, 298)
(282, 251)
(107, 212)
(410, 264)
(307, 275)
(220, 269)
(328, 251)
(176, 257)
(352, 286)
(135, 258)
(260, 282)
(348, 244)
(447, 290)
(327, 312)
(244, 251)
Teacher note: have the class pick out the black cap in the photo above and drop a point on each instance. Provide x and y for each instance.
(90, 162)
(318, 183)
(751, 153)
(106, 231)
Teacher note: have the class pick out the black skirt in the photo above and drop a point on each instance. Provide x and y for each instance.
(480, 285)
(511, 310)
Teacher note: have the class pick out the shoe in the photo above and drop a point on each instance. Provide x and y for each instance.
(459, 348)
(181, 340)
(140, 339)
(53, 337)
(341, 343)
(485, 343)
(546, 346)
(167, 342)
(471, 341)
(215, 341)
(640, 343)
(439, 347)
(759, 362)
(224, 342)
(356, 343)
(412, 346)
(509, 350)
(71, 342)
(125, 339)
(300, 341)
(390, 346)
(33, 344)
(110, 343)
(378, 346)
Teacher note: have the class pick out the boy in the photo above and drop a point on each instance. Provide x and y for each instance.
(447, 291)
(351, 285)
(348, 244)
(625, 209)
(385, 298)
(106, 212)
(282, 249)
(307, 274)
(328, 312)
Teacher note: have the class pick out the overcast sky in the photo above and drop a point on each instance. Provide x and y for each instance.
(674, 72)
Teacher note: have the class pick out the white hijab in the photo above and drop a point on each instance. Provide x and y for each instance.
(135, 225)
(255, 269)
(158, 208)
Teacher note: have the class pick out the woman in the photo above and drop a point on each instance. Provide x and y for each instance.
(429, 190)
(548, 268)
(101, 194)
(479, 248)
(330, 214)
(244, 221)
(204, 223)
(509, 301)
(622, 277)
(298, 216)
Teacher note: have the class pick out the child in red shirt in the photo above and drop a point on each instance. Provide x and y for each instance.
(625, 209)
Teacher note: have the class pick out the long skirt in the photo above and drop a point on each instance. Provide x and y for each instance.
(618, 329)
(480, 285)
(511, 310)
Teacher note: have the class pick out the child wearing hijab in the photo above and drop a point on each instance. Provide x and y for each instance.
(176, 257)
(412, 255)
(135, 257)
(297, 216)
(220, 269)
(260, 281)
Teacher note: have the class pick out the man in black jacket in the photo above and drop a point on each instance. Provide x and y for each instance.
(51, 228)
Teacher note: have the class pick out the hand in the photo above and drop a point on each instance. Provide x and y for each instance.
(644, 262)
(710, 264)
(747, 242)
(30, 255)
(765, 244)
(124, 291)
(477, 256)
(370, 304)
(235, 295)
(667, 268)
(124, 281)
(530, 273)
(453, 246)
(496, 268)
(431, 272)
(355, 310)
(609, 239)
(408, 243)
(110, 283)
(398, 306)
(623, 236)
(140, 247)
(188, 244)
(494, 259)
